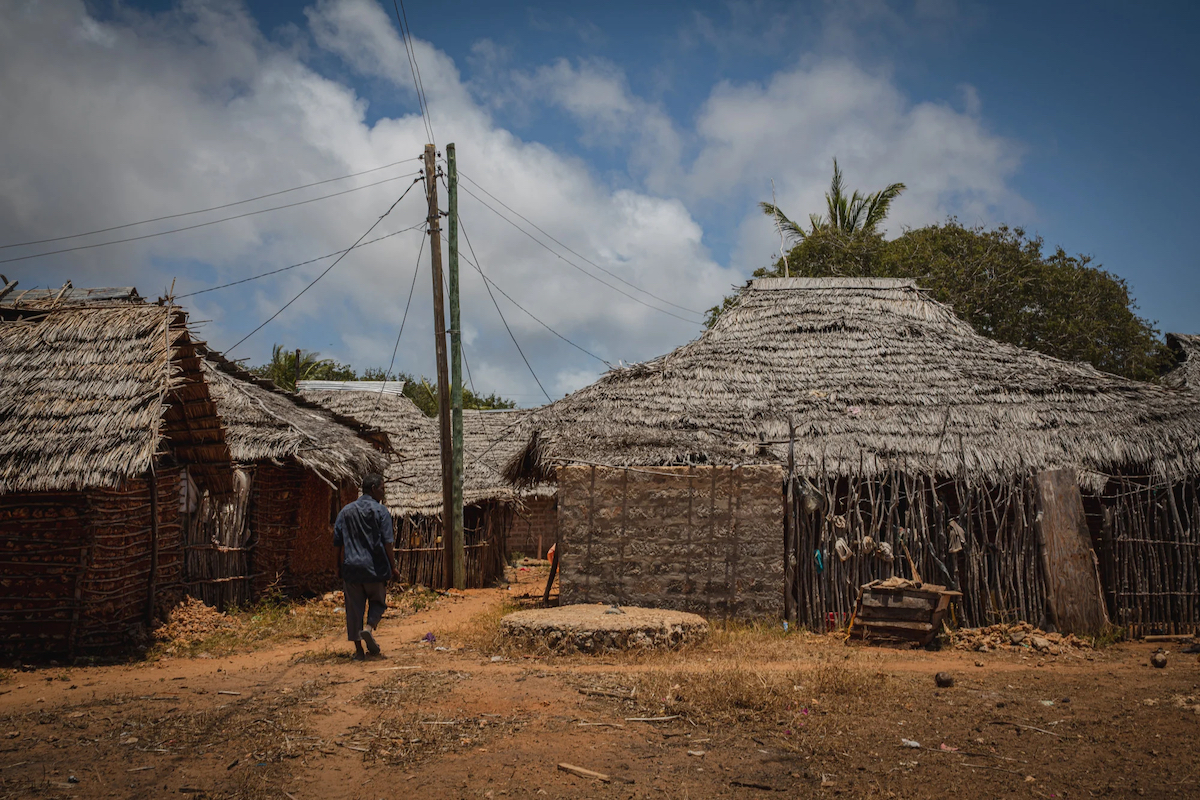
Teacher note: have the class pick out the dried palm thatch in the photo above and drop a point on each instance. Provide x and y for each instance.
(873, 373)
(68, 295)
(414, 480)
(1186, 374)
(91, 394)
(265, 423)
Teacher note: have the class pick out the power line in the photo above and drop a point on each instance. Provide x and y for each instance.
(486, 279)
(502, 319)
(418, 84)
(302, 263)
(205, 224)
(325, 272)
(569, 250)
(573, 264)
(404, 319)
(204, 210)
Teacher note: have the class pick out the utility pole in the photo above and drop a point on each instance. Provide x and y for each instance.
(456, 389)
(443, 379)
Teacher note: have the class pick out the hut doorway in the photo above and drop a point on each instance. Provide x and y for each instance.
(217, 541)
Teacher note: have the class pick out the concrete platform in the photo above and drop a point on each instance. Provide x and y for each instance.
(598, 627)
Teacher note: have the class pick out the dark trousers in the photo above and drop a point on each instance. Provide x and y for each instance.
(360, 597)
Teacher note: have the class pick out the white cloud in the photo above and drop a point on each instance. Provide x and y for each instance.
(141, 116)
(108, 122)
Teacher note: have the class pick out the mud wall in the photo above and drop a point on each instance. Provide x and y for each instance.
(703, 539)
(533, 528)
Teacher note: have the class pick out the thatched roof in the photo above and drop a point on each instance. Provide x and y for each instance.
(414, 481)
(872, 372)
(263, 422)
(68, 295)
(1186, 374)
(90, 395)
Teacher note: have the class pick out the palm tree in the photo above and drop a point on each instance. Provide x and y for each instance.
(853, 215)
(282, 369)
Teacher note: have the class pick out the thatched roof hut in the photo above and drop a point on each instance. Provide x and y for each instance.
(415, 479)
(103, 412)
(91, 395)
(263, 422)
(299, 463)
(1186, 374)
(871, 372)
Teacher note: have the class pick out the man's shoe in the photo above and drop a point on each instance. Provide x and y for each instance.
(368, 637)
(358, 656)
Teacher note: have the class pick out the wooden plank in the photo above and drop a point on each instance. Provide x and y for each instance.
(1072, 579)
(918, 604)
(885, 613)
(923, 627)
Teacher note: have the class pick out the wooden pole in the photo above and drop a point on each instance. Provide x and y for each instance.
(152, 581)
(458, 541)
(443, 378)
(789, 531)
(297, 370)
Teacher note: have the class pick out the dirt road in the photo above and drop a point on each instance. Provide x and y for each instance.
(749, 714)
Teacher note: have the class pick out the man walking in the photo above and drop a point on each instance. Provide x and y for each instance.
(367, 555)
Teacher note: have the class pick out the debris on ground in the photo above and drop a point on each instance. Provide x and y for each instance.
(944, 680)
(1016, 636)
(192, 621)
(1158, 659)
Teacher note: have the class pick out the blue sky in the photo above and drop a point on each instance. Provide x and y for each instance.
(641, 135)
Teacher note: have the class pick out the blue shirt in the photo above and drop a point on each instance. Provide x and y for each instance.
(362, 529)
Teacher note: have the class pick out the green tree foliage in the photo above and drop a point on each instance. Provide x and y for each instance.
(286, 365)
(282, 371)
(1004, 284)
(1000, 281)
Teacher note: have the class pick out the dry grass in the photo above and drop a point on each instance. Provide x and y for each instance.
(408, 687)
(408, 738)
(268, 623)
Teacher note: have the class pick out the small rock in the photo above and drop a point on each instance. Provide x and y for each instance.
(979, 663)
(1040, 643)
(1158, 660)
(910, 743)
(1017, 638)
(944, 680)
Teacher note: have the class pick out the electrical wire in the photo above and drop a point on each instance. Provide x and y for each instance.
(396, 348)
(205, 224)
(205, 210)
(325, 272)
(418, 84)
(573, 264)
(532, 316)
(301, 264)
(502, 319)
(569, 250)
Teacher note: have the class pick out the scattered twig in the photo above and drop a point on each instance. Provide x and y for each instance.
(989, 766)
(393, 669)
(601, 725)
(604, 693)
(652, 719)
(584, 773)
(224, 691)
(1030, 727)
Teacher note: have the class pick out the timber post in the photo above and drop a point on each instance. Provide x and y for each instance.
(458, 542)
(443, 378)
